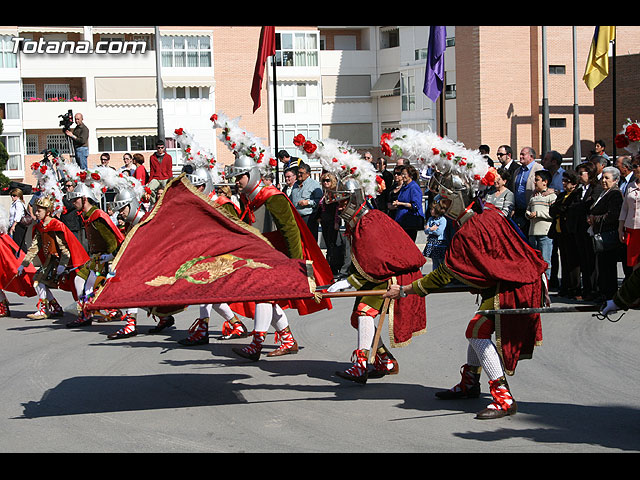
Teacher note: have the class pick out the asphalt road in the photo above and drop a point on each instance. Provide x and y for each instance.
(73, 390)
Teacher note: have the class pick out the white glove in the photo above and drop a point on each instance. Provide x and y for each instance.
(107, 257)
(60, 270)
(20, 269)
(339, 286)
(610, 307)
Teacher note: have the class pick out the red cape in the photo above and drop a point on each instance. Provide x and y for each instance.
(310, 250)
(10, 281)
(173, 258)
(487, 252)
(78, 254)
(97, 213)
(381, 251)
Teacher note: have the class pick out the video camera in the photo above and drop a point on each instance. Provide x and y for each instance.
(67, 120)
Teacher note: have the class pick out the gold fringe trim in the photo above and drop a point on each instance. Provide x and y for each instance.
(317, 296)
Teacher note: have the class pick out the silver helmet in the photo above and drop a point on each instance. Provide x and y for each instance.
(127, 197)
(83, 190)
(246, 165)
(201, 176)
(353, 200)
(456, 196)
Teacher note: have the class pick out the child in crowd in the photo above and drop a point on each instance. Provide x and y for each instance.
(539, 218)
(436, 236)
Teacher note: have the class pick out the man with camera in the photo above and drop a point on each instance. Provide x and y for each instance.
(80, 137)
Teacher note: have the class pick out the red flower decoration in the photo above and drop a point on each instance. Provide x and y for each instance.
(309, 147)
(299, 140)
(179, 131)
(43, 169)
(621, 141)
(95, 176)
(435, 151)
(214, 117)
(273, 162)
(633, 132)
(353, 170)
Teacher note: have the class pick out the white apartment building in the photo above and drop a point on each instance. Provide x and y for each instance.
(354, 83)
(347, 82)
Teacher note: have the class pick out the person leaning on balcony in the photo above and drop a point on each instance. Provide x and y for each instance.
(80, 137)
(160, 168)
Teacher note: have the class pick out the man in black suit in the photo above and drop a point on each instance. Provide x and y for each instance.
(505, 156)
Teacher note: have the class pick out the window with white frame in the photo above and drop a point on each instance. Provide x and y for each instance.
(8, 59)
(408, 91)
(12, 144)
(28, 91)
(9, 111)
(56, 91)
(299, 97)
(135, 143)
(31, 144)
(297, 49)
(185, 51)
(171, 93)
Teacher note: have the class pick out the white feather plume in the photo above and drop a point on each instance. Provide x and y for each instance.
(243, 143)
(343, 161)
(426, 148)
(198, 156)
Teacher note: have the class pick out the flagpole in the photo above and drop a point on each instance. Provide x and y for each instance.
(546, 141)
(577, 149)
(613, 99)
(275, 118)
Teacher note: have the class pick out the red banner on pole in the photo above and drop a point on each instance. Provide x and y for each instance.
(266, 49)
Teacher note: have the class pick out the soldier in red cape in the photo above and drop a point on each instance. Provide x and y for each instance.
(487, 253)
(10, 281)
(59, 252)
(291, 237)
(104, 239)
(381, 254)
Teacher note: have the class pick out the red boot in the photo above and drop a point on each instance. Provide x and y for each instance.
(288, 344)
(503, 403)
(252, 351)
(129, 330)
(469, 386)
(4, 309)
(384, 364)
(198, 333)
(233, 329)
(358, 372)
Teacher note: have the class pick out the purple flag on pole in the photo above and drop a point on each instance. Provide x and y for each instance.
(434, 75)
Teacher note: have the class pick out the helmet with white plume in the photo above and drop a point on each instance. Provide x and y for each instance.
(128, 190)
(200, 167)
(88, 183)
(48, 184)
(357, 178)
(459, 174)
(252, 158)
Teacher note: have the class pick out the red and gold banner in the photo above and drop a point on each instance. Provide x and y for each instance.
(188, 251)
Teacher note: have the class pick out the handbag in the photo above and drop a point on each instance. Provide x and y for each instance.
(26, 219)
(605, 241)
(412, 221)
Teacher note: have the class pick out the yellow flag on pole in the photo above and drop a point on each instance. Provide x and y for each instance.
(598, 61)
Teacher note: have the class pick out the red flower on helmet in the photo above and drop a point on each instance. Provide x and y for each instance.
(621, 141)
(309, 147)
(179, 131)
(633, 132)
(299, 140)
